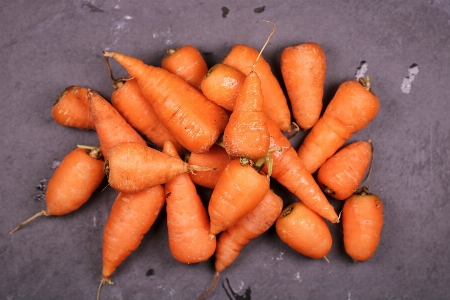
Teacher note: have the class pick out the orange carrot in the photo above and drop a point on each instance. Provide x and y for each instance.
(216, 157)
(130, 218)
(72, 108)
(187, 220)
(239, 190)
(342, 173)
(187, 63)
(133, 167)
(304, 231)
(195, 121)
(222, 85)
(362, 222)
(75, 179)
(110, 126)
(303, 68)
(351, 109)
(276, 108)
(290, 171)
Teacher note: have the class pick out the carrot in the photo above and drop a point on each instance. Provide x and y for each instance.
(342, 173)
(351, 109)
(239, 189)
(275, 106)
(72, 108)
(304, 231)
(362, 222)
(110, 126)
(130, 218)
(186, 62)
(290, 172)
(133, 167)
(187, 220)
(216, 157)
(303, 69)
(75, 179)
(195, 121)
(222, 85)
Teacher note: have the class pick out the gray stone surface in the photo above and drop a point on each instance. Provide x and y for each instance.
(48, 45)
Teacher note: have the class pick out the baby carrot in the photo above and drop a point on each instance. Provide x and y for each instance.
(351, 109)
(303, 68)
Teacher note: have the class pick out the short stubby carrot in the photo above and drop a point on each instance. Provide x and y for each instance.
(304, 231)
(187, 63)
(216, 157)
(72, 108)
(362, 223)
(290, 172)
(242, 57)
(75, 179)
(222, 85)
(342, 173)
(195, 121)
(351, 109)
(303, 67)
(239, 190)
(110, 126)
(187, 219)
(129, 101)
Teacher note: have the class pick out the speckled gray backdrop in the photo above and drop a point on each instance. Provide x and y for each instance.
(48, 45)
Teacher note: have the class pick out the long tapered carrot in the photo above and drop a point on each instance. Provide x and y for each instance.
(303, 67)
(195, 121)
(187, 219)
(351, 109)
(290, 172)
(75, 179)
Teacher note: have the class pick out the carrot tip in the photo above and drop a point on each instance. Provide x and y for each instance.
(108, 54)
(213, 285)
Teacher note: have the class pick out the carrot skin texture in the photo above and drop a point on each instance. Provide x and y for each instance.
(342, 173)
(110, 126)
(187, 63)
(350, 110)
(303, 68)
(130, 218)
(72, 108)
(304, 231)
(290, 172)
(139, 113)
(238, 191)
(187, 219)
(362, 223)
(252, 225)
(276, 108)
(195, 121)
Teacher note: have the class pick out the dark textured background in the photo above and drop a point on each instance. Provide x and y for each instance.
(48, 45)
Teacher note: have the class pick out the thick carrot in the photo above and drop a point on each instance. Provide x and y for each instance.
(187, 219)
(195, 121)
(351, 109)
(290, 171)
(222, 85)
(72, 108)
(75, 179)
(342, 173)
(110, 126)
(304, 231)
(362, 222)
(127, 98)
(130, 218)
(216, 157)
(186, 62)
(303, 68)
(239, 190)
(133, 167)
(276, 108)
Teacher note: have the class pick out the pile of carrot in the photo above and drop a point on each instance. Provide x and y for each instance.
(167, 131)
